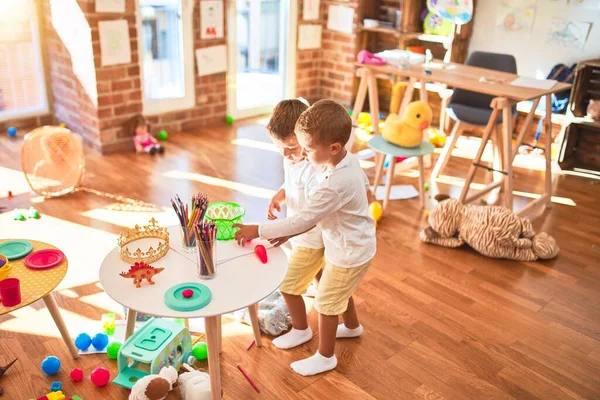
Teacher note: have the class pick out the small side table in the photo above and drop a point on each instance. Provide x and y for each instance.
(39, 284)
(382, 148)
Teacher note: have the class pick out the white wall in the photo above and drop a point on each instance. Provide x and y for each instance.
(531, 49)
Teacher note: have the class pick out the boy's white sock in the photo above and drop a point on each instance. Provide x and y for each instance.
(293, 338)
(343, 332)
(314, 364)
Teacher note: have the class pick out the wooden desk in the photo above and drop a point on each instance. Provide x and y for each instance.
(495, 83)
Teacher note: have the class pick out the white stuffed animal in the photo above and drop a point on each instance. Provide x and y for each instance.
(194, 385)
(154, 387)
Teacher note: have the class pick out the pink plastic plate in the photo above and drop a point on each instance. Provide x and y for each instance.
(44, 259)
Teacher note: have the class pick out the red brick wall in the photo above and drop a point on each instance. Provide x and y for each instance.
(308, 64)
(70, 102)
(120, 93)
(336, 75)
(24, 125)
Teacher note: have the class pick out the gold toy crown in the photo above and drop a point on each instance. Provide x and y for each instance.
(148, 231)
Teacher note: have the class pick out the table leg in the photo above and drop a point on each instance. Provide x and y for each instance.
(421, 183)
(390, 179)
(253, 311)
(358, 106)
(408, 93)
(374, 102)
(507, 132)
(548, 151)
(214, 367)
(442, 160)
(423, 92)
(131, 316)
(219, 333)
(60, 324)
(379, 162)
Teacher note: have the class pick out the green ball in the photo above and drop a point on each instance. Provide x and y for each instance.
(200, 351)
(229, 120)
(113, 350)
(162, 135)
(426, 186)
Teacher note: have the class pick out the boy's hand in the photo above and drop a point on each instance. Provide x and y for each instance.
(245, 233)
(279, 241)
(273, 206)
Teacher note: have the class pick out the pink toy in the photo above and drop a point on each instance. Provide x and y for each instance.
(10, 292)
(261, 252)
(100, 376)
(143, 141)
(187, 293)
(366, 57)
(76, 375)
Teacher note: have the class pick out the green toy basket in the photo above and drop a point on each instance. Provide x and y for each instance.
(224, 215)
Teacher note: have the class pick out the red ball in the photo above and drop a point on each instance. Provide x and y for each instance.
(187, 293)
(100, 376)
(76, 375)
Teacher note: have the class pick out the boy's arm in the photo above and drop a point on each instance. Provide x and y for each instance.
(275, 204)
(322, 202)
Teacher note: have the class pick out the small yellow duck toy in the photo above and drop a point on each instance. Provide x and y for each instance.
(408, 130)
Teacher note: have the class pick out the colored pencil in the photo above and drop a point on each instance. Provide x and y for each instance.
(243, 371)
(251, 344)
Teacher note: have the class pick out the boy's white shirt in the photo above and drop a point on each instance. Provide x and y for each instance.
(299, 178)
(338, 205)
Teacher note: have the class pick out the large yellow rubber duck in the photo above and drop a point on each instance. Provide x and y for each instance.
(408, 130)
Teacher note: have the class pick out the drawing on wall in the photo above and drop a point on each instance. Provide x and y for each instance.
(110, 6)
(211, 19)
(515, 19)
(211, 60)
(568, 33)
(115, 47)
(311, 10)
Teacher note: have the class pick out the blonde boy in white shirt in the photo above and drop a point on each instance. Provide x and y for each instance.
(339, 206)
(306, 258)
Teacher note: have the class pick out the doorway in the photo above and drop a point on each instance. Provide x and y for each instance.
(262, 55)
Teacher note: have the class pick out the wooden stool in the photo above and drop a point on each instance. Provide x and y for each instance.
(382, 148)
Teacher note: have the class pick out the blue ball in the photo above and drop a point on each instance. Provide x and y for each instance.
(83, 341)
(50, 365)
(100, 341)
(12, 131)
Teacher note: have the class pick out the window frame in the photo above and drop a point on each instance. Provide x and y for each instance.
(44, 107)
(161, 106)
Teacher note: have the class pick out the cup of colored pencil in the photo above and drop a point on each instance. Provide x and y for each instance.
(189, 216)
(206, 241)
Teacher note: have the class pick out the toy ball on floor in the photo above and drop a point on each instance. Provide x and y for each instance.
(76, 374)
(376, 211)
(100, 376)
(100, 341)
(229, 120)
(200, 351)
(51, 365)
(12, 131)
(113, 350)
(83, 341)
(163, 135)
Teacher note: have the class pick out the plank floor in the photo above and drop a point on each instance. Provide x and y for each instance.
(439, 323)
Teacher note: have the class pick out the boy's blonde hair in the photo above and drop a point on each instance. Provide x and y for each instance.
(326, 122)
(285, 115)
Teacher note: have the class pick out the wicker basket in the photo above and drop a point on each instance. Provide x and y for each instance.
(225, 215)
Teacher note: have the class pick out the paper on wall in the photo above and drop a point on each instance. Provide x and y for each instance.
(115, 47)
(309, 36)
(110, 6)
(568, 33)
(211, 19)
(311, 10)
(340, 19)
(211, 60)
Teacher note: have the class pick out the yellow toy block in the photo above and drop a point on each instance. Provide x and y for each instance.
(56, 395)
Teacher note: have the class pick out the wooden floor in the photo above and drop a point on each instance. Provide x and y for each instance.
(439, 323)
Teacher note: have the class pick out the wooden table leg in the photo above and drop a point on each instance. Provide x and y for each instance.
(60, 324)
(423, 92)
(253, 311)
(373, 102)
(390, 179)
(508, 159)
(358, 105)
(131, 316)
(421, 183)
(423, 97)
(548, 151)
(379, 162)
(214, 367)
(220, 333)
(408, 94)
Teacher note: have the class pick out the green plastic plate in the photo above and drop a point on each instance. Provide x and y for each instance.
(14, 249)
(174, 297)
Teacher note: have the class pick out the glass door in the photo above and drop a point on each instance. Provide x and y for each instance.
(261, 55)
